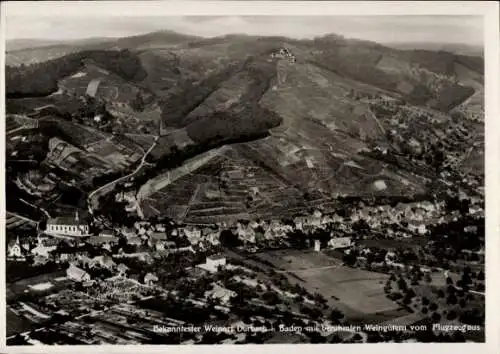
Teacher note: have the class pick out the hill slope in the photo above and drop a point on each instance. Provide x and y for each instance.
(335, 117)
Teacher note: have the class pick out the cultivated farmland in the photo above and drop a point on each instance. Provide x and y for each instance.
(355, 291)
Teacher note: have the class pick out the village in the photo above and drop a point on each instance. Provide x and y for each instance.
(85, 270)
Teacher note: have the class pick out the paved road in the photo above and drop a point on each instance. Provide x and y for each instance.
(36, 207)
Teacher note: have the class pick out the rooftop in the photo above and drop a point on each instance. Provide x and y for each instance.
(215, 257)
(65, 220)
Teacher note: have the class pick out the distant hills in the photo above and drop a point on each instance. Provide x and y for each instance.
(20, 44)
(457, 48)
(318, 125)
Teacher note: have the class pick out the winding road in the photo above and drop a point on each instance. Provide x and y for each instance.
(91, 201)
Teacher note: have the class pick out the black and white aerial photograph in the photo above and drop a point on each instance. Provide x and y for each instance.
(244, 179)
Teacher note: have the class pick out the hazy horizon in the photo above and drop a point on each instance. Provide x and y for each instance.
(448, 29)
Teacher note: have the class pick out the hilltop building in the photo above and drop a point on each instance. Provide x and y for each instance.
(284, 53)
(67, 226)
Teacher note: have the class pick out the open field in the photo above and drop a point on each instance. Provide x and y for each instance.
(354, 291)
(13, 221)
(76, 134)
(116, 153)
(23, 284)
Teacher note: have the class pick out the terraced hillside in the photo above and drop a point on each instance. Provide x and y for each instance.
(345, 117)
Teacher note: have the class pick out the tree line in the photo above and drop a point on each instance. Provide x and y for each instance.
(41, 79)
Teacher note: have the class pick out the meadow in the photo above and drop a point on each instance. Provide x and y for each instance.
(354, 291)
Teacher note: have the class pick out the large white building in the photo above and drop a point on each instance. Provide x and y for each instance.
(340, 242)
(67, 226)
(213, 262)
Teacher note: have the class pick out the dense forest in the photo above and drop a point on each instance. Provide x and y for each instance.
(221, 127)
(41, 79)
(189, 96)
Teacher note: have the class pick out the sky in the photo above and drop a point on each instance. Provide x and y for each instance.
(385, 29)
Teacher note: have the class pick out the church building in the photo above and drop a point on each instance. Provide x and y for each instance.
(67, 226)
(14, 250)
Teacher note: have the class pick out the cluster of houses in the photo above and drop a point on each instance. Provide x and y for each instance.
(79, 268)
(170, 238)
(40, 249)
(147, 236)
(415, 215)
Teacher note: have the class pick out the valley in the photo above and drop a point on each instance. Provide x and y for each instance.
(164, 180)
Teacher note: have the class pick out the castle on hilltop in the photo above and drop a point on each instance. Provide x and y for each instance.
(284, 53)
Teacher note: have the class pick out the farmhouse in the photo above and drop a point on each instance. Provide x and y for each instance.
(76, 274)
(102, 261)
(67, 226)
(340, 242)
(213, 262)
(220, 293)
(106, 233)
(128, 232)
(417, 227)
(122, 269)
(43, 249)
(100, 240)
(150, 279)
